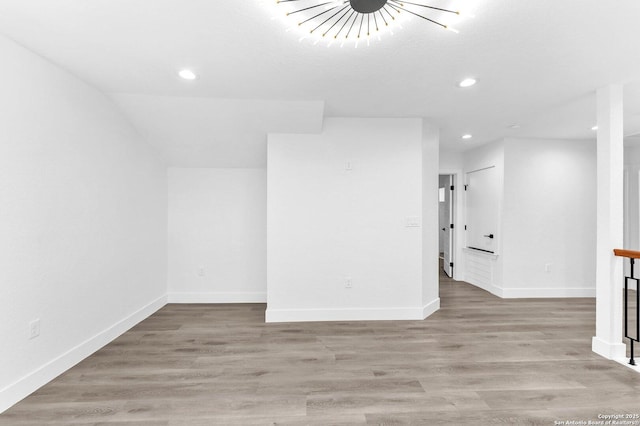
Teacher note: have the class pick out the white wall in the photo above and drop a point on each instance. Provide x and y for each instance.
(549, 218)
(546, 241)
(430, 226)
(217, 235)
(631, 198)
(326, 224)
(451, 161)
(82, 222)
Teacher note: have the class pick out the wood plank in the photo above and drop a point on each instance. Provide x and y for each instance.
(479, 360)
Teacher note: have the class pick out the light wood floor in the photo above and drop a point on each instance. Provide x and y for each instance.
(479, 360)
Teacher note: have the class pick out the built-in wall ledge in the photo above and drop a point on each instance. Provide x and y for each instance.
(478, 252)
(625, 362)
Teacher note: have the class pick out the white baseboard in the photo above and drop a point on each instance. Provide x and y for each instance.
(495, 290)
(529, 293)
(22, 388)
(608, 350)
(625, 362)
(218, 297)
(430, 308)
(536, 293)
(351, 314)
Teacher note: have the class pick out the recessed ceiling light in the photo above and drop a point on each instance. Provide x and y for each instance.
(467, 82)
(594, 128)
(514, 126)
(187, 74)
(467, 136)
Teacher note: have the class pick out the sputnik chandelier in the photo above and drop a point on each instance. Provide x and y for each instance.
(356, 20)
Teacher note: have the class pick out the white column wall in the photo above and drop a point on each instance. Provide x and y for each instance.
(338, 206)
(430, 229)
(610, 151)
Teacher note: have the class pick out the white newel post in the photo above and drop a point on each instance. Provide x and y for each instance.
(610, 158)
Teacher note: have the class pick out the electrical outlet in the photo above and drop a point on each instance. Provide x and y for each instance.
(547, 267)
(34, 328)
(348, 283)
(201, 271)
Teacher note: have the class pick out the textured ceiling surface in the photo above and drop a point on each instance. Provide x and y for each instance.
(538, 64)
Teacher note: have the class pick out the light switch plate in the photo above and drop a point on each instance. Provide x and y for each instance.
(412, 222)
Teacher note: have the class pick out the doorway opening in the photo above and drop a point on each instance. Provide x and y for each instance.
(446, 225)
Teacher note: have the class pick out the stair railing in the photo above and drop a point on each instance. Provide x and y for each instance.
(632, 256)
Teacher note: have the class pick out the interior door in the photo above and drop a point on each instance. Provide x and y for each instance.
(483, 209)
(447, 243)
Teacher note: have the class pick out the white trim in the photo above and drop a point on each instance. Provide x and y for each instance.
(614, 351)
(625, 362)
(218, 297)
(459, 220)
(536, 293)
(350, 314)
(492, 256)
(430, 308)
(28, 384)
(529, 293)
(495, 290)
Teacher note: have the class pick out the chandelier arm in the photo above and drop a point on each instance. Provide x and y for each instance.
(361, 21)
(424, 17)
(389, 13)
(345, 23)
(427, 6)
(315, 16)
(392, 7)
(352, 24)
(385, 21)
(334, 24)
(329, 18)
(310, 7)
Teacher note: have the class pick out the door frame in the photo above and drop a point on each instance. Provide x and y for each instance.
(457, 204)
(446, 220)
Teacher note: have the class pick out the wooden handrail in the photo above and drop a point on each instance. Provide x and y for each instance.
(635, 336)
(627, 253)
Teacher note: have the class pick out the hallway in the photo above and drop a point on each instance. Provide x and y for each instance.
(479, 360)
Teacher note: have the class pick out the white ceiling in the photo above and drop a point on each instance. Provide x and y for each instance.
(537, 64)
